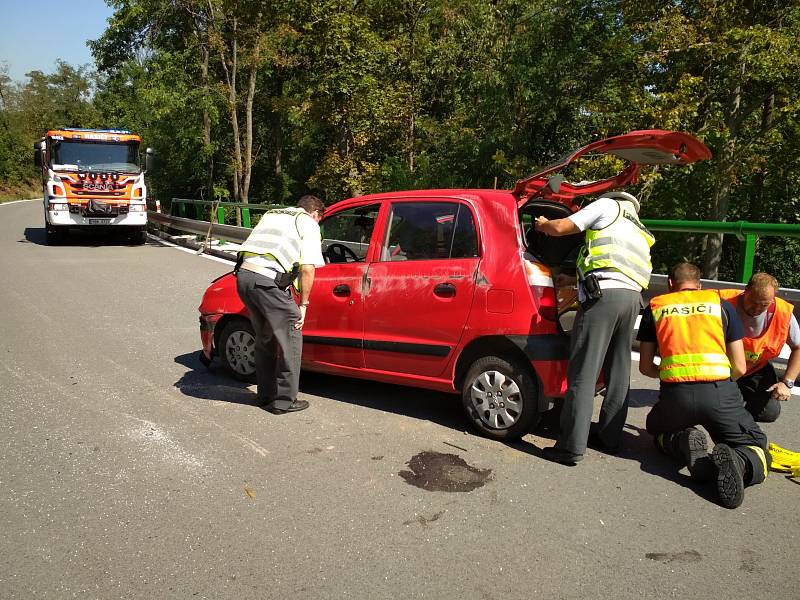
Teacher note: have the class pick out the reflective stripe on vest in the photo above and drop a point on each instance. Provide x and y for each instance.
(624, 246)
(277, 237)
(760, 350)
(691, 339)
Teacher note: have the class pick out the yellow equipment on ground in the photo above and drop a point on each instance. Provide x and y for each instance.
(784, 461)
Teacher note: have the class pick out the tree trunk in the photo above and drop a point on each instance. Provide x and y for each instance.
(207, 126)
(247, 167)
(723, 182)
(277, 131)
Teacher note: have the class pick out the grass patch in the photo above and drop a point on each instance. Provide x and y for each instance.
(19, 191)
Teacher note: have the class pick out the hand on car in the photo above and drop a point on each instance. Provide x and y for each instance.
(302, 319)
(540, 220)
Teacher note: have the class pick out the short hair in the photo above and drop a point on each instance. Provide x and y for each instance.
(311, 203)
(684, 272)
(761, 282)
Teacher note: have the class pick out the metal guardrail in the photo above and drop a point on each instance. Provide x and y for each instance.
(747, 232)
(242, 208)
(232, 233)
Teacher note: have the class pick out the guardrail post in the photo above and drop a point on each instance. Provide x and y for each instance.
(748, 252)
(181, 209)
(221, 214)
(246, 217)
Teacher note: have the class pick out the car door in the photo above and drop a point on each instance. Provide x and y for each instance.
(333, 331)
(421, 286)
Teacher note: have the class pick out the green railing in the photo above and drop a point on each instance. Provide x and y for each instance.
(745, 231)
(242, 209)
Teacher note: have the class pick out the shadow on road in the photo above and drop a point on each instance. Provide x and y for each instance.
(93, 239)
(436, 407)
(211, 383)
(636, 445)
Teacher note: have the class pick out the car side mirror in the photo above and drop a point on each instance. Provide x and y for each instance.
(149, 159)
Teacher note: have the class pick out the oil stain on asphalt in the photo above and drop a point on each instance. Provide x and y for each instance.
(437, 472)
(688, 556)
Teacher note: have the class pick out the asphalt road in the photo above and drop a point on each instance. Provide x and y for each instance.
(127, 470)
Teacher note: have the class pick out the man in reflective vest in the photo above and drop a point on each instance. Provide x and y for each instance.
(282, 250)
(699, 338)
(613, 267)
(769, 323)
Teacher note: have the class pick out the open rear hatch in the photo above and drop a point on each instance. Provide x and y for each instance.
(550, 194)
(648, 147)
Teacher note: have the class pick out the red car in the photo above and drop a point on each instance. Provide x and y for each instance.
(449, 290)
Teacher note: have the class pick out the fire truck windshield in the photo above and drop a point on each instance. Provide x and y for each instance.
(95, 156)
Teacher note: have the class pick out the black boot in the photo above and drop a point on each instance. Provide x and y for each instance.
(730, 475)
(693, 449)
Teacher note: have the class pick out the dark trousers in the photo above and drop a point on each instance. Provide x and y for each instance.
(279, 345)
(758, 401)
(718, 407)
(601, 341)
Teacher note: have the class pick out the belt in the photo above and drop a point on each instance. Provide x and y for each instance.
(265, 271)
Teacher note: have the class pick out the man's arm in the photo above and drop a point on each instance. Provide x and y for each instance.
(779, 390)
(647, 363)
(556, 227)
(306, 283)
(735, 352)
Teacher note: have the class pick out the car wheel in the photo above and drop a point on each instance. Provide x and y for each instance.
(499, 396)
(237, 350)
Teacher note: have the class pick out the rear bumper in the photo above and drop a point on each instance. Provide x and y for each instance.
(549, 354)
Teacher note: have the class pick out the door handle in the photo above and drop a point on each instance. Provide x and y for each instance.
(341, 290)
(445, 290)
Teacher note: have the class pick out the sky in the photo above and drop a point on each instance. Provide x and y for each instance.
(38, 32)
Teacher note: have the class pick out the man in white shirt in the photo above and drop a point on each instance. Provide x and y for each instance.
(613, 266)
(283, 250)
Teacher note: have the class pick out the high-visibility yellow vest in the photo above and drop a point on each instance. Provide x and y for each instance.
(691, 337)
(276, 237)
(760, 350)
(623, 246)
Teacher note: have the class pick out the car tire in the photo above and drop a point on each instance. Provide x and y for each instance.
(236, 349)
(500, 398)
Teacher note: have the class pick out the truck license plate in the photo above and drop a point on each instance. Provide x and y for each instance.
(99, 221)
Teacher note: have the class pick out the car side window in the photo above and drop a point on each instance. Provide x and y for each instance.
(346, 235)
(430, 230)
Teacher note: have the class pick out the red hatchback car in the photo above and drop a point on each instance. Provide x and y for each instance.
(449, 290)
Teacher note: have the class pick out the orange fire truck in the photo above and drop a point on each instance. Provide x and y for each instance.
(92, 179)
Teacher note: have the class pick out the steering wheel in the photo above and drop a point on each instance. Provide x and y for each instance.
(338, 253)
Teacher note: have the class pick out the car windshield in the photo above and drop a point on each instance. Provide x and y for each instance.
(96, 156)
